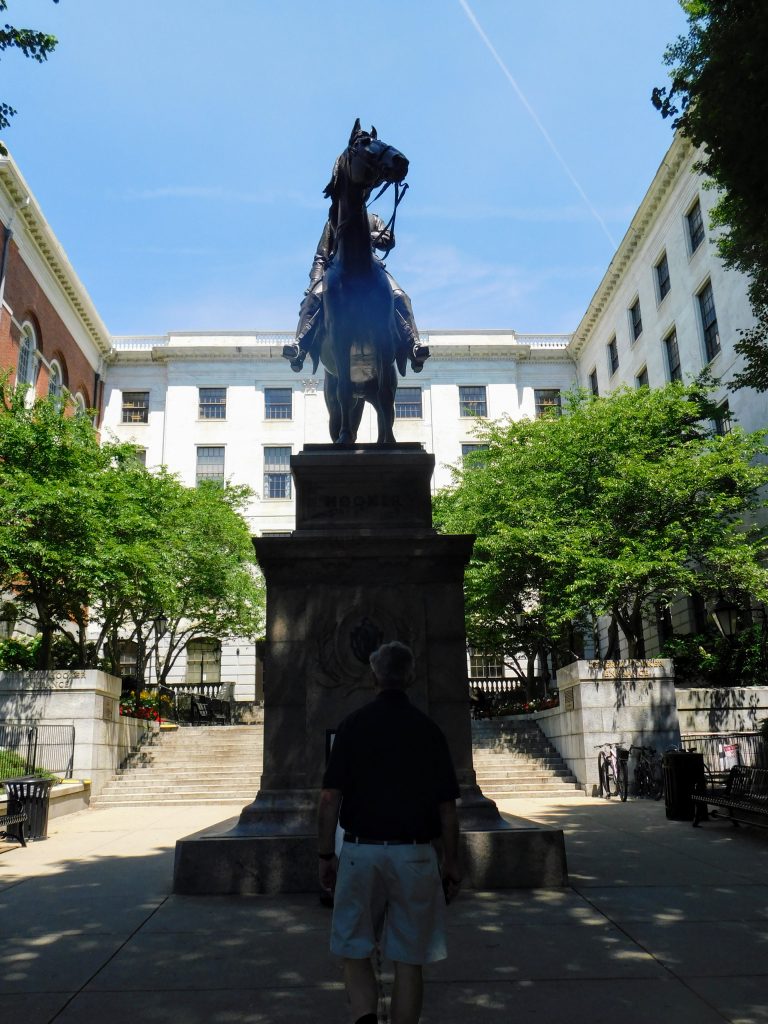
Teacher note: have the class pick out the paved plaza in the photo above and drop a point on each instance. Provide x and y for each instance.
(661, 922)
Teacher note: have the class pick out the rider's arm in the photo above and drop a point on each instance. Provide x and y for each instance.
(322, 255)
(381, 237)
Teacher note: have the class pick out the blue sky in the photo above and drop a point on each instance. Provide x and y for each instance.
(179, 148)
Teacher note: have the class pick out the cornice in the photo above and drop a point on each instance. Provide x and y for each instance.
(49, 248)
(677, 156)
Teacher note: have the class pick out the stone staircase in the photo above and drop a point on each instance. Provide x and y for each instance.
(191, 765)
(513, 758)
(223, 764)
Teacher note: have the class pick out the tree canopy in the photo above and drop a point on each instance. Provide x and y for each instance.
(31, 43)
(94, 547)
(618, 504)
(718, 97)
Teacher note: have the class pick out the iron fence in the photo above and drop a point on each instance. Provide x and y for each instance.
(30, 749)
(724, 750)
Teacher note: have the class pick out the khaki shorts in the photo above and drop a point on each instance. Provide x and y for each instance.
(391, 894)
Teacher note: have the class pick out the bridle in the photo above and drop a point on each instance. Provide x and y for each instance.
(401, 187)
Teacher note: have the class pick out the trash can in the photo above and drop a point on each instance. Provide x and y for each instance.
(683, 771)
(32, 794)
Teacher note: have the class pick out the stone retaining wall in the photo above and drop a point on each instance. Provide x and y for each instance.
(89, 700)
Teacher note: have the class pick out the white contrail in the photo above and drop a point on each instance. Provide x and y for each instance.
(534, 116)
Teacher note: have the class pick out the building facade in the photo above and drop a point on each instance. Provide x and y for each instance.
(51, 336)
(226, 406)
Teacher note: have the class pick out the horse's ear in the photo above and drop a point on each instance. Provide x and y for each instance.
(355, 130)
(373, 133)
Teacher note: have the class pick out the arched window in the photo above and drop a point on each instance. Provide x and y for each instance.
(203, 661)
(55, 380)
(26, 370)
(81, 409)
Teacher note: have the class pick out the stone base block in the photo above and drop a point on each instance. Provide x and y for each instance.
(218, 861)
(525, 857)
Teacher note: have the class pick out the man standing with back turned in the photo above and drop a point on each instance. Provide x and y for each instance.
(390, 771)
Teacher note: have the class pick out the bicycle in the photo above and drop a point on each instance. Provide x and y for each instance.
(612, 771)
(648, 778)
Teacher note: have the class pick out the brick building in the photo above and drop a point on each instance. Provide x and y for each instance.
(51, 336)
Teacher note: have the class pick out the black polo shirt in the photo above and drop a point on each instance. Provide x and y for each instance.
(392, 765)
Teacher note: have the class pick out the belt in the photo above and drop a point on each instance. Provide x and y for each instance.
(350, 838)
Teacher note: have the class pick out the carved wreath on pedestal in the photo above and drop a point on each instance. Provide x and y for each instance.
(345, 645)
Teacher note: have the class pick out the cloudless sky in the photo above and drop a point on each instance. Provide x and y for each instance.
(179, 148)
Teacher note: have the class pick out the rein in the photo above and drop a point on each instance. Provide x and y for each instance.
(400, 189)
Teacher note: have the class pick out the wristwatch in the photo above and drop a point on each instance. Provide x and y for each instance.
(326, 856)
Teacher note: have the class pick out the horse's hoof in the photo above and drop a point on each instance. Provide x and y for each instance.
(344, 438)
(417, 367)
(297, 365)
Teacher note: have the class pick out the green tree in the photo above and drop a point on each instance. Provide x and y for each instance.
(50, 463)
(718, 97)
(197, 567)
(31, 43)
(95, 547)
(622, 502)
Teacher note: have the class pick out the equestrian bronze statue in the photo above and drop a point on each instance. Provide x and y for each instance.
(355, 318)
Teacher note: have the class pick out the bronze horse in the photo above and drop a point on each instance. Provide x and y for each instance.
(360, 336)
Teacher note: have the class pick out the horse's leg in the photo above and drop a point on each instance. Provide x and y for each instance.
(385, 404)
(356, 416)
(346, 397)
(330, 393)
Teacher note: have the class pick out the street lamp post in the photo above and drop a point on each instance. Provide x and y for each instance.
(726, 616)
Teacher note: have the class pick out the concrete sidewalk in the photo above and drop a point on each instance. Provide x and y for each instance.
(661, 923)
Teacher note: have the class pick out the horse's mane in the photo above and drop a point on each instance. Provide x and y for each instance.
(331, 190)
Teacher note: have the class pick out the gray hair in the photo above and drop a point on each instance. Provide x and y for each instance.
(392, 664)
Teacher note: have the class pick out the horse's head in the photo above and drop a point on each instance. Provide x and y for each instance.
(368, 161)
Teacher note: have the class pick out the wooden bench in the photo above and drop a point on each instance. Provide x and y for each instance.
(744, 797)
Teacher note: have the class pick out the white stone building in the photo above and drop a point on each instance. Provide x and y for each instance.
(228, 405)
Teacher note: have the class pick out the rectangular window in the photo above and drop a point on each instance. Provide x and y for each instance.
(709, 321)
(472, 401)
(635, 320)
(485, 665)
(469, 450)
(210, 464)
(673, 356)
(723, 419)
(408, 404)
(278, 403)
(547, 402)
(277, 472)
(593, 385)
(212, 403)
(641, 380)
(135, 407)
(140, 454)
(613, 356)
(695, 226)
(662, 276)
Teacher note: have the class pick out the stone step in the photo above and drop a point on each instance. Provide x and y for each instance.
(561, 773)
(160, 792)
(236, 800)
(517, 783)
(507, 795)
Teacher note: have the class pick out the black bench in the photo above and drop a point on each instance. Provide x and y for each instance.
(744, 796)
(16, 818)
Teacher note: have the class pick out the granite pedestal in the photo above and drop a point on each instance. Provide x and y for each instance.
(364, 566)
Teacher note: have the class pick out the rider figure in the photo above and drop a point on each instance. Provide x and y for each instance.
(311, 310)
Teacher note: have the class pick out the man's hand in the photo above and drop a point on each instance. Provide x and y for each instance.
(449, 870)
(327, 871)
(451, 880)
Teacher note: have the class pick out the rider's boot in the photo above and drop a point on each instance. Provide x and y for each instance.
(300, 349)
(417, 353)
